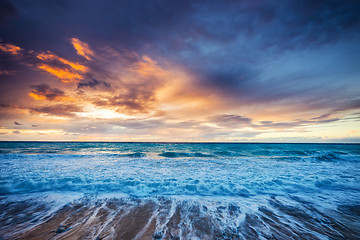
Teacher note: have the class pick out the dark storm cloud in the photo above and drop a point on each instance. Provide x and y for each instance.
(176, 24)
(225, 44)
(286, 24)
(227, 78)
(129, 24)
(293, 24)
(43, 91)
(7, 9)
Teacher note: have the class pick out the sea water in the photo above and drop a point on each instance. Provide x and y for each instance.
(190, 190)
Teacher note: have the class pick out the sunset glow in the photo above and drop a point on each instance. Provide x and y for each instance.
(232, 74)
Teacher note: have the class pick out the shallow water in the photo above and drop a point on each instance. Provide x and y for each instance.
(186, 191)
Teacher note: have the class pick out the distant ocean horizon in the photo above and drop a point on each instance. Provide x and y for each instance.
(172, 190)
(179, 142)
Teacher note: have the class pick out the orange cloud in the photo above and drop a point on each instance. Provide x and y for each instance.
(51, 57)
(140, 83)
(148, 67)
(82, 48)
(57, 98)
(66, 75)
(68, 72)
(36, 96)
(10, 48)
(148, 87)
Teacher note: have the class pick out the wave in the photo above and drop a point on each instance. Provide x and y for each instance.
(144, 173)
(124, 217)
(131, 187)
(184, 154)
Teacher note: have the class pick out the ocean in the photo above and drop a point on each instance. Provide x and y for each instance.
(101, 190)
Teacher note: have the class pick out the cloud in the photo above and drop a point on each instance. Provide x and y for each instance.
(44, 92)
(16, 123)
(61, 110)
(132, 100)
(16, 132)
(67, 71)
(82, 48)
(140, 123)
(93, 83)
(292, 124)
(137, 90)
(10, 48)
(234, 121)
(65, 74)
(6, 105)
(50, 57)
(348, 105)
(230, 120)
(286, 25)
(7, 9)
(323, 116)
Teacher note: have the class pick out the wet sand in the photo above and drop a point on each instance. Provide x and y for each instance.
(166, 218)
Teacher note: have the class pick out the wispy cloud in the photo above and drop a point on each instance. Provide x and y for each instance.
(64, 74)
(82, 48)
(49, 57)
(67, 71)
(10, 48)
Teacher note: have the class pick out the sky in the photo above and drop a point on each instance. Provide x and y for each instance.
(208, 71)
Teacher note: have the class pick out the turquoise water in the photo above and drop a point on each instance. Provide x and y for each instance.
(324, 177)
(179, 169)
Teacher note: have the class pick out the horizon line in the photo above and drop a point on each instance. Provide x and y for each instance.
(175, 142)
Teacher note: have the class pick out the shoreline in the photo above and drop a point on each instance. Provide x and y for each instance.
(91, 217)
